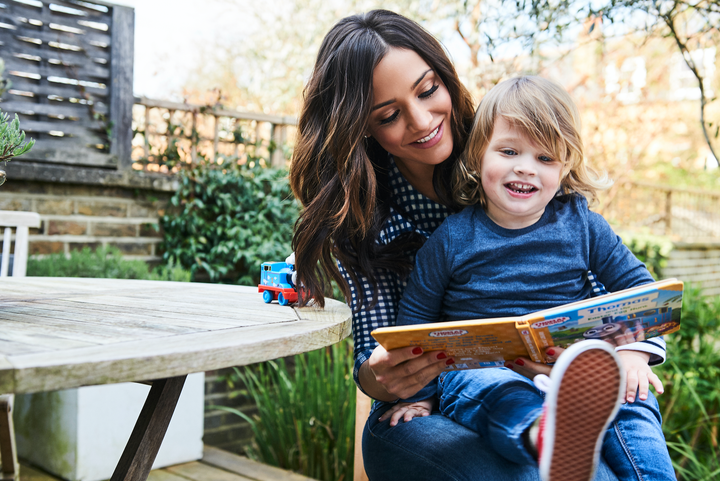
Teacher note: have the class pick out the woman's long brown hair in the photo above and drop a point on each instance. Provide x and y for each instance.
(339, 176)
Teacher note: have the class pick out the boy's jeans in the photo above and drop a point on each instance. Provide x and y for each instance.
(498, 405)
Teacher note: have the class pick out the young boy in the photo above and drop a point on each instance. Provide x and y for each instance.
(525, 179)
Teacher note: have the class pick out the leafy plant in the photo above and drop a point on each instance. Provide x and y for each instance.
(652, 250)
(224, 221)
(105, 262)
(690, 406)
(12, 141)
(306, 416)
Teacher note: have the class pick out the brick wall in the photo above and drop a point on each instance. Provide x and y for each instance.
(75, 215)
(223, 429)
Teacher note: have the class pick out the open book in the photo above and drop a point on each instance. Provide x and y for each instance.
(645, 311)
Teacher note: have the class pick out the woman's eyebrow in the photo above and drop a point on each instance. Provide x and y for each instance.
(417, 82)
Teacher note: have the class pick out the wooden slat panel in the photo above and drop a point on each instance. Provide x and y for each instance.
(46, 15)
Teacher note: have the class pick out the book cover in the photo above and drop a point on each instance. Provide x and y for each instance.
(638, 313)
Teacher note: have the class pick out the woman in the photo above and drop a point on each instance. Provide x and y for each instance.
(384, 120)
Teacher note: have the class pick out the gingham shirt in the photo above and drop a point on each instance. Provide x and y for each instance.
(416, 212)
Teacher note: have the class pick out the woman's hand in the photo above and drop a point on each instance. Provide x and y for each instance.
(400, 373)
(407, 411)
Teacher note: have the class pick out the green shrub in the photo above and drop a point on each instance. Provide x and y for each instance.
(650, 249)
(105, 262)
(224, 223)
(690, 405)
(306, 415)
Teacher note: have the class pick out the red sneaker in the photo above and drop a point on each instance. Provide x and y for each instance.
(583, 398)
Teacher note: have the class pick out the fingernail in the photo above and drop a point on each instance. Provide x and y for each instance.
(643, 397)
(450, 361)
(550, 352)
(631, 399)
(442, 355)
(509, 366)
(417, 351)
(519, 362)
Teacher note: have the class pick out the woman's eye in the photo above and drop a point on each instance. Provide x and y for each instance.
(390, 119)
(429, 92)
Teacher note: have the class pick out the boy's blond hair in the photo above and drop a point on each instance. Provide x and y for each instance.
(545, 113)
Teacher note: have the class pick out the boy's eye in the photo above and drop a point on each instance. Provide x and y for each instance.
(390, 119)
(508, 152)
(429, 92)
(545, 159)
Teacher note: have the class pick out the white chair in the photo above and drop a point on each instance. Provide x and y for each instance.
(21, 222)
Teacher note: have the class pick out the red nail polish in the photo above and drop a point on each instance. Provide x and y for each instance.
(509, 366)
(519, 362)
(442, 355)
(450, 361)
(417, 350)
(550, 352)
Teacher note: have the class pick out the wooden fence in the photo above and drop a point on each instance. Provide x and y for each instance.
(167, 132)
(681, 214)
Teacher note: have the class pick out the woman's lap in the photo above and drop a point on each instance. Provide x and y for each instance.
(433, 448)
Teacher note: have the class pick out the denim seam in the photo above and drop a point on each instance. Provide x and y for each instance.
(412, 454)
(623, 443)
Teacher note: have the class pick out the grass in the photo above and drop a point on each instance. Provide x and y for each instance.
(306, 413)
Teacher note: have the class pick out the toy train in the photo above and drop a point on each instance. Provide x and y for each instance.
(277, 281)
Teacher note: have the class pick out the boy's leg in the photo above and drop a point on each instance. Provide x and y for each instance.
(634, 445)
(434, 448)
(496, 403)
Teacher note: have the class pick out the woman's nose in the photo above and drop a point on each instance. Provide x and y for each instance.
(420, 118)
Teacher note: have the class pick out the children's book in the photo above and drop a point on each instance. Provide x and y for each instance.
(645, 311)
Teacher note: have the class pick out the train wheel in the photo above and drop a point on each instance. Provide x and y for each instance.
(267, 297)
(282, 301)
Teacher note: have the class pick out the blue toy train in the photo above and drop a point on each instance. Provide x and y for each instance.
(276, 282)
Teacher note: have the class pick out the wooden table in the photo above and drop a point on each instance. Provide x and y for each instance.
(60, 333)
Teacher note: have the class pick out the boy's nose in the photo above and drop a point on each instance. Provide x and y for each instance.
(524, 166)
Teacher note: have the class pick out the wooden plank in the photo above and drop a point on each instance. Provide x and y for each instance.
(88, 71)
(121, 92)
(247, 467)
(196, 471)
(162, 475)
(56, 108)
(78, 155)
(74, 128)
(149, 431)
(176, 355)
(62, 90)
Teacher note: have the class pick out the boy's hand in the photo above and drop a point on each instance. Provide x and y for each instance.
(407, 411)
(639, 375)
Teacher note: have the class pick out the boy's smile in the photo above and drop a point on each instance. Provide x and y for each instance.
(518, 177)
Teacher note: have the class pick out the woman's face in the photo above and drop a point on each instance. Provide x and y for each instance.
(412, 110)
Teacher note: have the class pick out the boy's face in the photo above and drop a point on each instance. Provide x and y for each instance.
(519, 178)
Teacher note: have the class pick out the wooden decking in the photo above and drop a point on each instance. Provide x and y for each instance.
(216, 465)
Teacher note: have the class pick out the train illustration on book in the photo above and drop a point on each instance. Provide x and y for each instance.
(278, 281)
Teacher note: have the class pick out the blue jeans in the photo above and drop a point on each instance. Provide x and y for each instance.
(496, 406)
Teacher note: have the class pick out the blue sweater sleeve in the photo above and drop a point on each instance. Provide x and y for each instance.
(423, 298)
(610, 260)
